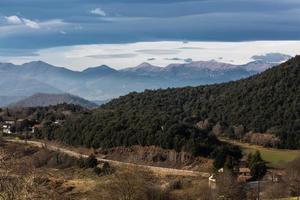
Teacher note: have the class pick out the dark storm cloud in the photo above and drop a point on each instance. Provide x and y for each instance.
(121, 21)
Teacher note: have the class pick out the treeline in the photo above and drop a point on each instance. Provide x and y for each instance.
(266, 102)
(23, 119)
(49, 113)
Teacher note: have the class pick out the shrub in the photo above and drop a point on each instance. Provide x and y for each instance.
(106, 169)
(81, 162)
(91, 161)
(41, 158)
(175, 185)
(97, 170)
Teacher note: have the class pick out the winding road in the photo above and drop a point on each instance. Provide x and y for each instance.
(156, 170)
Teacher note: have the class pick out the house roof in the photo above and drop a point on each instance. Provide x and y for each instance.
(244, 170)
(38, 126)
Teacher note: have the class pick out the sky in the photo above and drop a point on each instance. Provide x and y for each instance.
(123, 33)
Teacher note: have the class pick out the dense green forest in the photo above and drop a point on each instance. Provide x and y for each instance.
(267, 102)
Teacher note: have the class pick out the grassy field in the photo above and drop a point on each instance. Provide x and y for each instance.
(275, 157)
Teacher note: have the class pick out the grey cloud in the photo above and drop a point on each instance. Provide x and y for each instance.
(191, 48)
(18, 53)
(129, 55)
(158, 51)
(271, 57)
(180, 59)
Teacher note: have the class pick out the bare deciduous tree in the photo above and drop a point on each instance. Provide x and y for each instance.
(228, 188)
(293, 177)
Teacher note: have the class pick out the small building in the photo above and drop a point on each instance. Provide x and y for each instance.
(275, 176)
(10, 122)
(6, 128)
(36, 127)
(20, 120)
(212, 180)
(244, 175)
(59, 122)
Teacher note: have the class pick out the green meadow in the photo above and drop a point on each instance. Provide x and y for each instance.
(274, 157)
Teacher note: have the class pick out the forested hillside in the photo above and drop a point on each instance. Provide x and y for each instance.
(269, 102)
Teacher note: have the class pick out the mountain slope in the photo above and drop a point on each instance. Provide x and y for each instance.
(43, 99)
(99, 71)
(267, 101)
(18, 85)
(6, 100)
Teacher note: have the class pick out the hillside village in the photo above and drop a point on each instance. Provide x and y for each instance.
(29, 121)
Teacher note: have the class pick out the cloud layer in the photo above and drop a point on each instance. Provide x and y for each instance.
(64, 32)
(124, 21)
(120, 56)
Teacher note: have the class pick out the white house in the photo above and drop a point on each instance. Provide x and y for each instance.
(6, 128)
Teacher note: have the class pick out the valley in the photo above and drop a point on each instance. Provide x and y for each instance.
(149, 100)
(178, 134)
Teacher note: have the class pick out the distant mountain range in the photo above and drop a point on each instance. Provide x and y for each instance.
(102, 83)
(42, 100)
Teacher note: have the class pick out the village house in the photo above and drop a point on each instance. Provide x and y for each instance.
(244, 175)
(275, 176)
(7, 126)
(212, 181)
(59, 122)
(36, 127)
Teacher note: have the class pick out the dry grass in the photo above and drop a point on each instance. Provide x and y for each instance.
(78, 184)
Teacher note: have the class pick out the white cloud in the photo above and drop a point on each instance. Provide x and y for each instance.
(31, 24)
(13, 19)
(98, 11)
(63, 32)
(32, 27)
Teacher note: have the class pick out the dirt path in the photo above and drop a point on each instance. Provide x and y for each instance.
(157, 170)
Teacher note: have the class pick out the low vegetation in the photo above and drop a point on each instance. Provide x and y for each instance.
(38, 173)
(32, 173)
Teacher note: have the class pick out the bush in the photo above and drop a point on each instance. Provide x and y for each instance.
(156, 193)
(91, 161)
(60, 160)
(97, 170)
(81, 162)
(41, 158)
(106, 169)
(175, 185)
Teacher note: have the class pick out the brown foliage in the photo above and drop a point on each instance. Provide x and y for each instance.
(262, 139)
